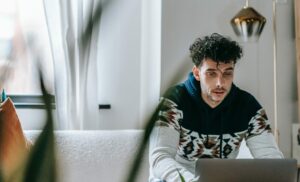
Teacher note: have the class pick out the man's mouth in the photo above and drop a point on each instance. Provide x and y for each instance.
(219, 92)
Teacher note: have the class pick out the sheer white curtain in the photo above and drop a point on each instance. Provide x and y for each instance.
(74, 64)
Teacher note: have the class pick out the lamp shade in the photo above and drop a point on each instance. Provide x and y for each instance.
(248, 24)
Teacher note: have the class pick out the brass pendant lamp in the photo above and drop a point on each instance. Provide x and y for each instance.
(248, 23)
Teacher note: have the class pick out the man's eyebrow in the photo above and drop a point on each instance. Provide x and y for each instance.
(229, 69)
(211, 69)
(214, 69)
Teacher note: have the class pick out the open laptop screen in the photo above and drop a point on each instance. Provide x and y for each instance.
(246, 170)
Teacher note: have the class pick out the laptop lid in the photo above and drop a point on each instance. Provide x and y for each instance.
(246, 170)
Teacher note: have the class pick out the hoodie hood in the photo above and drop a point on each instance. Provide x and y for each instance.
(194, 90)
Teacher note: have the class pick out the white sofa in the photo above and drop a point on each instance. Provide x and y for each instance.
(101, 155)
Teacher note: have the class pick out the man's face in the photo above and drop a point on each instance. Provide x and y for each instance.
(215, 80)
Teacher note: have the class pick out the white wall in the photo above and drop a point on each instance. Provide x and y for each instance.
(286, 74)
(119, 63)
(184, 21)
(129, 62)
(150, 59)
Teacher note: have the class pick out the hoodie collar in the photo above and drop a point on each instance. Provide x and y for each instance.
(194, 90)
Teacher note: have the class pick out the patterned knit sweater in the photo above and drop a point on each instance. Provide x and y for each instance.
(188, 129)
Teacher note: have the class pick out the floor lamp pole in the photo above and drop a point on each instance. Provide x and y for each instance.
(276, 132)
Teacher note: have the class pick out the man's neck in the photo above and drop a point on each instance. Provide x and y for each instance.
(209, 101)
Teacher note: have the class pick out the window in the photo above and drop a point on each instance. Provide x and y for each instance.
(23, 43)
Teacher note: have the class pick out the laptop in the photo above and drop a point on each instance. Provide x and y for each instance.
(246, 170)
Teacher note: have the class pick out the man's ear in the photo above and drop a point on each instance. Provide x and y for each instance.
(196, 73)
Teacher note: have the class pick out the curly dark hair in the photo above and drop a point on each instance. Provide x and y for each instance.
(216, 47)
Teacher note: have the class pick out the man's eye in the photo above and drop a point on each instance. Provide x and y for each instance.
(228, 73)
(212, 74)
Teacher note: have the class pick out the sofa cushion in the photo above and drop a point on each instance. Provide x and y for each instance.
(13, 144)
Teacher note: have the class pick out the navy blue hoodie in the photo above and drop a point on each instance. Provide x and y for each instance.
(211, 132)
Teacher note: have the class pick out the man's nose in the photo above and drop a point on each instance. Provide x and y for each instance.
(220, 81)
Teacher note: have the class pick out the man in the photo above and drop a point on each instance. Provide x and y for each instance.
(207, 116)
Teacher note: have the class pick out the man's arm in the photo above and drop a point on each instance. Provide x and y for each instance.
(260, 139)
(163, 145)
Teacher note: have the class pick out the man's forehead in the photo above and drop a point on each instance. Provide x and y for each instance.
(210, 64)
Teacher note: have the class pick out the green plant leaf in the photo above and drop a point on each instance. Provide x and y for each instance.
(41, 165)
(92, 22)
(181, 177)
(1, 178)
(143, 144)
